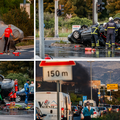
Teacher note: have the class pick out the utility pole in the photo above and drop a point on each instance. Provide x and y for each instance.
(56, 19)
(41, 29)
(91, 75)
(95, 14)
(24, 5)
(110, 82)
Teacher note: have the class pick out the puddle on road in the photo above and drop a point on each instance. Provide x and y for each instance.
(62, 52)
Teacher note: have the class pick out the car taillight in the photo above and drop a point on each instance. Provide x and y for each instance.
(62, 112)
(75, 110)
(117, 109)
(95, 113)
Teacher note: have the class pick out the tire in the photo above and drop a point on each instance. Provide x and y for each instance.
(18, 98)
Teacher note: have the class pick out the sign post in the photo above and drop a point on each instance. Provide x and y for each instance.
(57, 70)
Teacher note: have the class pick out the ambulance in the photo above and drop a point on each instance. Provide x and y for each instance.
(47, 103)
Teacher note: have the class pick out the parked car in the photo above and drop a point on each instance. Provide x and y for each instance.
(103, 110)
(75, 110)
(115, 108)
(20, 95)
(109, 107)
(96, 113)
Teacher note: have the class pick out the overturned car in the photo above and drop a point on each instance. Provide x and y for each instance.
(19, 35)
(83, 35)
(6, 86)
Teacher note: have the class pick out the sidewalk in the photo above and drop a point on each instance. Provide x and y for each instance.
(54, 38)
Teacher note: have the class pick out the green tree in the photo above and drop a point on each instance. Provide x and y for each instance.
(73, 97)
(20, 77)
(7, 67)
(80, 11)
(69, 7)
(21, 20)
(113, 7)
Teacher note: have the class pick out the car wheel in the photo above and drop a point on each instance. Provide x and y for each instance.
(18, 98)
(76, 34)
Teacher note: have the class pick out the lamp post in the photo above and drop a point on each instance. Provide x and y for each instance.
(110, 82)
(91, 75)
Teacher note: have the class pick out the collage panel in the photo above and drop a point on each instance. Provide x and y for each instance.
(17, 90)
(17, 29)
(86, 29)
(77, 90)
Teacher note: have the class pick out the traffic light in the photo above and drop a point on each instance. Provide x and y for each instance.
(58, 12)
(99, 6)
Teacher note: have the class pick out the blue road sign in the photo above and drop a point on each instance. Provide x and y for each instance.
(84, 98)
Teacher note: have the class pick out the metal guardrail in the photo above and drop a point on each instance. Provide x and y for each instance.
(28, 38)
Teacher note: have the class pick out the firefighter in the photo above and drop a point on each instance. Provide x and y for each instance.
(16, 89)
(110, 29)
(95, 35)
(26, 87)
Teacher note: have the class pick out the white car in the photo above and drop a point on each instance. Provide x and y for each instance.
(96, 113)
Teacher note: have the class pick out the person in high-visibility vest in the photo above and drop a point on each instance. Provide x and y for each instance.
(111, 28)
(16, 89)
(6, 34)
(95, 35)
(26, 87)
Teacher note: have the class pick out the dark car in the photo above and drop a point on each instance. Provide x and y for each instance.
(115, 108)
(20, 95)
(75, 111)
(83, 35)
(103, 110)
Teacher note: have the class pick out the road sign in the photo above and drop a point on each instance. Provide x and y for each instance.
(75, 27)
(113, 87)
(84, 98)
(57, 70)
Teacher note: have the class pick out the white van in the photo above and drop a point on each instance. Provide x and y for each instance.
(92, 103)
(47, 103)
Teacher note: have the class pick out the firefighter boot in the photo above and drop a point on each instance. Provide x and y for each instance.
(113, 48)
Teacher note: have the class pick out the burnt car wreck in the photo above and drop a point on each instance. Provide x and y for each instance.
(83, 35)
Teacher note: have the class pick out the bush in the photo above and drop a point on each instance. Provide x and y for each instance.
(21, 20)
(112, 116)
(117, 15)
(20, 77)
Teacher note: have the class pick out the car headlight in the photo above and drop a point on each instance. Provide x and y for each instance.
(76, 34)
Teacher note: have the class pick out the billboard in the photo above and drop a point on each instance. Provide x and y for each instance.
(113, 87)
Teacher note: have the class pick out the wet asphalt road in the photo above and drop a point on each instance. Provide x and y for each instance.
(74, 52)
(17, 117)
(14, 114)
(25, 54)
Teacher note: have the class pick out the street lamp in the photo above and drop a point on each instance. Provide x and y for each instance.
(91, 75)
(110, 82)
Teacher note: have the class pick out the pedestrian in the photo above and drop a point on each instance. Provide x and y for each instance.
(16, 88)
(6, 34)
(32, 83)
(110, 29)
(27, 91)
(95, 35)
(87, 111)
